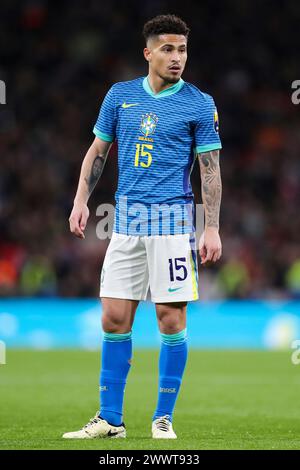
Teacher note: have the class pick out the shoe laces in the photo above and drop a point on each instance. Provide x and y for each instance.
(93, 421)
(163, 423)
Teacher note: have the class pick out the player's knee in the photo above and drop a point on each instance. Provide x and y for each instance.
(112, 321)
(170, 324)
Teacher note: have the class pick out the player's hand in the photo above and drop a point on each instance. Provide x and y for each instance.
(210, 246)
(78, 219)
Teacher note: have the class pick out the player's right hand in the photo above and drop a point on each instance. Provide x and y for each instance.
(78, 219)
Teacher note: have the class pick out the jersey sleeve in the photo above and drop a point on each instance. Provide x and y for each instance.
(207, 128)
(105, 127)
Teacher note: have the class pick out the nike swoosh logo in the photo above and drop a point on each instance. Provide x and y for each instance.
(173, 290)
(124, 105)
(110, 434)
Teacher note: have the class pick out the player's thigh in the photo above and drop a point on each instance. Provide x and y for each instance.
(172, 264)
(171, 317)
(118, 314)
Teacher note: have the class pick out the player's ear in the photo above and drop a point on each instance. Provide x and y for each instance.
(147, 54)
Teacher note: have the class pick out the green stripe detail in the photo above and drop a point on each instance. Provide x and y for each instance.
(174, 339)
(208, 148)
(167, 92)
(102, 136)
(194, 278)
(117, 336)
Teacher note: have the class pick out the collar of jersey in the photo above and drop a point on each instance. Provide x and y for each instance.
(167, 92)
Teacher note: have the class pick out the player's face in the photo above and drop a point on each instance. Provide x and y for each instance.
(167, 55)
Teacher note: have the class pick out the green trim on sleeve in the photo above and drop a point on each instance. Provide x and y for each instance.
(102, 136)
(208, 148)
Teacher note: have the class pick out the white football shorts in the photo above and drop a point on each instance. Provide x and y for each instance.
(165, 263)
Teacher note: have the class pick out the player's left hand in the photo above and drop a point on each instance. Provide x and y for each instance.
(210, 246)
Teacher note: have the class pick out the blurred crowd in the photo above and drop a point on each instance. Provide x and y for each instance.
(58, 61)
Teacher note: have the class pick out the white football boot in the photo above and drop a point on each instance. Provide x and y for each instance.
(162, 428)
(97, 428)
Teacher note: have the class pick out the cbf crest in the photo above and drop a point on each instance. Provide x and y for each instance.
(148, 124)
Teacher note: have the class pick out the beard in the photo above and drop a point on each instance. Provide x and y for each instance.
(170, 79)
(174, 79)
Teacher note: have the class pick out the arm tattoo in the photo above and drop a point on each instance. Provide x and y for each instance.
(96, 171)
(211, 186)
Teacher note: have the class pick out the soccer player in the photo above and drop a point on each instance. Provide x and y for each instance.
(162, 124)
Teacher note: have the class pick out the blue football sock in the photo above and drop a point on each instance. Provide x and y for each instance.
(173, 356)
(116, 358)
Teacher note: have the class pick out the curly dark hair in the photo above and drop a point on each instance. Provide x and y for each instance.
(165, 24)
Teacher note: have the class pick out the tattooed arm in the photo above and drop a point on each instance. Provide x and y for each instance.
(91, 170)
(210, 246)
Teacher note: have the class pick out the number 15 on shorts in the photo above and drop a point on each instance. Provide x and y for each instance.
(177, 269)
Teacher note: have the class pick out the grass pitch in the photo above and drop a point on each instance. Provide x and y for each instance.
(228, 400)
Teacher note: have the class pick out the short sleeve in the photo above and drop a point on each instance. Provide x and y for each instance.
(207, 128)
(105, 127)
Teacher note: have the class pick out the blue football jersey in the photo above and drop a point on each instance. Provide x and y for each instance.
(158, 136)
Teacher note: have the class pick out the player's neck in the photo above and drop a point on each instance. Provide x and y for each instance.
(157, 84)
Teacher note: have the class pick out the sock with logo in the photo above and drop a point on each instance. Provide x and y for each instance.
(116, 361)
(172, 360)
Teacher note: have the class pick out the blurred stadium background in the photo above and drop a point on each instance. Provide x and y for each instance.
(58, 64)
(58, 61)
